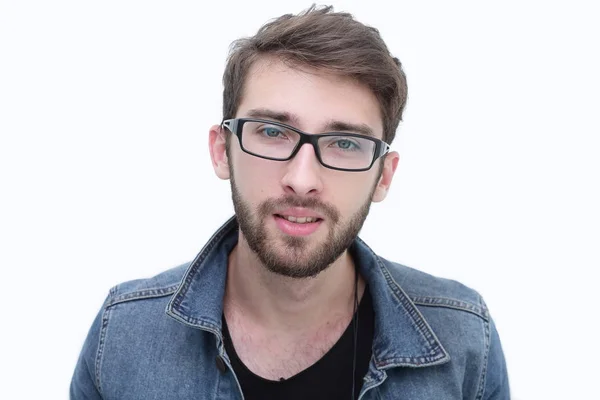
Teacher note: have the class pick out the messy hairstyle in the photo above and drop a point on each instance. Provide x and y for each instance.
(325, 40)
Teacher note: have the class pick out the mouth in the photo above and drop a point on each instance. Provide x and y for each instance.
(299, 220)
(297, 226)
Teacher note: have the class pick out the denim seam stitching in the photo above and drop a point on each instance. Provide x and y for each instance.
(204, 323)
(487, 338)
(432, 301)
(196, 265)
(417, 323)
(428, 336)
(143, 294)
(173, 307)
(101, 342)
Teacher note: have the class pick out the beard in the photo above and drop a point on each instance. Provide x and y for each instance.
(295, 258)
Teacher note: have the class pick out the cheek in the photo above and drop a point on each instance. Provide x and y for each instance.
(351, 194)
(256, 179)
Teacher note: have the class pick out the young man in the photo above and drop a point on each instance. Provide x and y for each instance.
(285, 302)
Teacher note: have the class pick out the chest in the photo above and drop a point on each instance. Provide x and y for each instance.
(275, 355)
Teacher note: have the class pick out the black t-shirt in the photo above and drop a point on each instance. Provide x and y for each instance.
(329, 378)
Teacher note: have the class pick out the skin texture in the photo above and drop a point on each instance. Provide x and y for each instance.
(288, 292)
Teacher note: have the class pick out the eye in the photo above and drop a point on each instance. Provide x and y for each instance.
(270, 131)
(346, 144)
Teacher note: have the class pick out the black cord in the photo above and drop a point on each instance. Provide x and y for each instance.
(355, 323)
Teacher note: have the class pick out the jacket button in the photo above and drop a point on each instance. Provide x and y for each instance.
(221, 364)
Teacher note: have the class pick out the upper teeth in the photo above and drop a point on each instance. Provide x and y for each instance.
(300, 220)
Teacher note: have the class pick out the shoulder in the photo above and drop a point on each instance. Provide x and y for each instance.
(460, 320)
(131, 329)
(431, 291)
(161, 285)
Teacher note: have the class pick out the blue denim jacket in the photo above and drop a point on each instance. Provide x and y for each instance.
(161, 338)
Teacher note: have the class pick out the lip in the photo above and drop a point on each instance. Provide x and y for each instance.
(299, 212)
(294, 228)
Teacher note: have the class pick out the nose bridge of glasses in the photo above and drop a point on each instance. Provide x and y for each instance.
(306, 148)
(308, 139)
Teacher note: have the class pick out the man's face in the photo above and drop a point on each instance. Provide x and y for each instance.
(272, 199)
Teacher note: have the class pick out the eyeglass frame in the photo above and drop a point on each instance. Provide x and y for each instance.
(235, 126)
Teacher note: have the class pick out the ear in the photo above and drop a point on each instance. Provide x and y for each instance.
(385, 181)
(218, 153)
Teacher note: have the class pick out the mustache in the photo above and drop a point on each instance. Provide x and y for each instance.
(271, 205)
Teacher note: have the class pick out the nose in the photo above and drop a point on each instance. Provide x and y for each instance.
(303, 173)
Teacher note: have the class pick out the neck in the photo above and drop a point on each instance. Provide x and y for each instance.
(279, 303)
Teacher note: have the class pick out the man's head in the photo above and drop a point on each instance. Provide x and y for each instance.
(317, 72)
(325, 40)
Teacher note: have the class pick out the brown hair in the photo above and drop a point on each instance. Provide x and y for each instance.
(322, 39)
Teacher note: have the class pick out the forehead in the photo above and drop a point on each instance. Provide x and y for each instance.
(314, 97)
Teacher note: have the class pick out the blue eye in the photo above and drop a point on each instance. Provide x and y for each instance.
(346, 144)
(271, 131)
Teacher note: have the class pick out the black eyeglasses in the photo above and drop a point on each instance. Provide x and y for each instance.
(279, 142)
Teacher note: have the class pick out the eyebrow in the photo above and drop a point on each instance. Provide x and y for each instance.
(291, 119)
(338, 126)
(280, 116)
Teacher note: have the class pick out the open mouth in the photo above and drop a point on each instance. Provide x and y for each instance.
(297, 226)
(299, 220)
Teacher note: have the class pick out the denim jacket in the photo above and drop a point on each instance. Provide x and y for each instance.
(161, 338)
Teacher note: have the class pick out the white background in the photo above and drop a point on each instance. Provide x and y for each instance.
(105, 174)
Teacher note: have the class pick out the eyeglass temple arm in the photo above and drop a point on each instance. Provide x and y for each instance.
(383, 149)
(230, 124)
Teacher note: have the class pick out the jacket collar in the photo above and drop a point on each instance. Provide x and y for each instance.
(402, 336)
